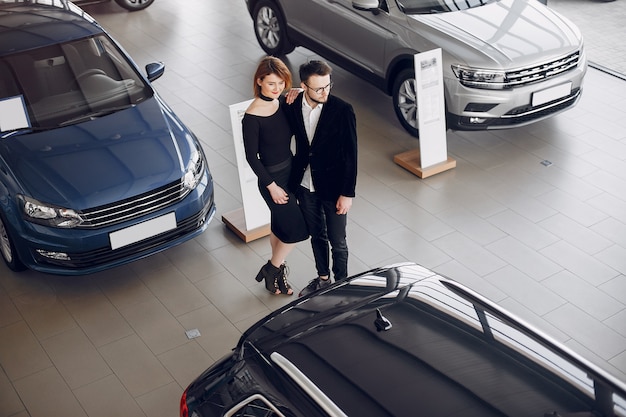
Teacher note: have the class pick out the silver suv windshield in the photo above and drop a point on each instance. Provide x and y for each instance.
(439, 6)
(66, 83)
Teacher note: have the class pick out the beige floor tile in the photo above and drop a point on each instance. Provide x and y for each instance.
(20, 352)
(185, 362)
(45, 313)
(135, 365)
(218, 334)
(98, 318)
(46, 394)
(8, 312)
(175, 291)
(231, 297)
(155, 325)
(107, 397)
(125, 291)
(76, 358)
(10, 403)
(193, 261)
(144, 267)
(21, 414)
(162, 402)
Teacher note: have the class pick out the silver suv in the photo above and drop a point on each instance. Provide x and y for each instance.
(507, 63)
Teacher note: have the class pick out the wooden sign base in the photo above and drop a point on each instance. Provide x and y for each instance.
(410, 160)
(236, 221)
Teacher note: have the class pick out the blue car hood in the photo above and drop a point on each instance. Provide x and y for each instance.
(101, 161)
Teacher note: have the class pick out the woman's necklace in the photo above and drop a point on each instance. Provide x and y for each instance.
(265, 98)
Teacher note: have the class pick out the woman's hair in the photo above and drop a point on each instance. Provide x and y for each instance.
(314, 67)
(271, 65)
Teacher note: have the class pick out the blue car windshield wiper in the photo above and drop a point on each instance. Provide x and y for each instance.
(95, 114)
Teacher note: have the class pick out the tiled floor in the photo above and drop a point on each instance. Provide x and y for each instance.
(547, 242)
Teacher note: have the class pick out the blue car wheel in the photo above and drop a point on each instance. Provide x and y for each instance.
(9, 254)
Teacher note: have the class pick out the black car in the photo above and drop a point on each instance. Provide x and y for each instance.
(400, 341)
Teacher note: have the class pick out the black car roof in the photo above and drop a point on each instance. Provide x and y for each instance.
(25, 26)
(445, 353)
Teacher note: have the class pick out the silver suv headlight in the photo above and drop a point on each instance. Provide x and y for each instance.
(480, 78)
(47, 214)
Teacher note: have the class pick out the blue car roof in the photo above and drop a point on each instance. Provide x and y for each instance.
(25, 26)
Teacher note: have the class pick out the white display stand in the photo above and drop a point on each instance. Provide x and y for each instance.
(432, 156)
(253, 220)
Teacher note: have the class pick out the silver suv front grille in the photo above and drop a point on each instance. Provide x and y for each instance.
(543, 71)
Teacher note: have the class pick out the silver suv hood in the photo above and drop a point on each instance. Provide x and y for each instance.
(523, 32)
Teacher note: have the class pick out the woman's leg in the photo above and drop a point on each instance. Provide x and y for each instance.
(280, 250)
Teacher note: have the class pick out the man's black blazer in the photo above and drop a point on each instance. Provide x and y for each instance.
(332, 153)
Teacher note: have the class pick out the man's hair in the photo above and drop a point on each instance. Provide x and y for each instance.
(314, 67)
(271, 65)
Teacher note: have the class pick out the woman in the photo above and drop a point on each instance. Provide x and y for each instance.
(267, 138)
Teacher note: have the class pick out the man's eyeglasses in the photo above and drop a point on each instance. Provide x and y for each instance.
(320, 89)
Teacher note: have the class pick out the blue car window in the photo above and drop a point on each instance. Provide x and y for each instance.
(65, 83)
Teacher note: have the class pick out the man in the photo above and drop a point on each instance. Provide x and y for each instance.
(324, 169)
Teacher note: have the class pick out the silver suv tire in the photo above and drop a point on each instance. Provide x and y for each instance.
(270, 29)
(133, 5)
(405, 100)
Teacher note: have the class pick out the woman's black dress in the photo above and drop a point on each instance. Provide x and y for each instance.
(267, 144)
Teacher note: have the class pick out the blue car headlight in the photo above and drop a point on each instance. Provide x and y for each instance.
(48, 214)
(194, 171)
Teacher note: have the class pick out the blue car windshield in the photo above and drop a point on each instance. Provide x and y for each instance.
(65, 83)
(438, 6)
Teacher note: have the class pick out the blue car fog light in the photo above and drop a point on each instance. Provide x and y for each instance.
(59, 256)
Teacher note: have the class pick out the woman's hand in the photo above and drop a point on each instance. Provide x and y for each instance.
(292, 94)
(279, 196)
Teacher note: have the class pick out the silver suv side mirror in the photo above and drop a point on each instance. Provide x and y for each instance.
(365, 5)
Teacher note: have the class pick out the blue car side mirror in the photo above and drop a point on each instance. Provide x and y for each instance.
(154, 70)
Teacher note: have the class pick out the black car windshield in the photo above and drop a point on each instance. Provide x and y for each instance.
(47, 87)
(438, 6)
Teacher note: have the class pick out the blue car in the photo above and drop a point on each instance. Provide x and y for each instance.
(95, 169)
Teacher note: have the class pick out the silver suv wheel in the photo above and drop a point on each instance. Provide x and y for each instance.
(405, 101)
(133, 5)
(270, 29)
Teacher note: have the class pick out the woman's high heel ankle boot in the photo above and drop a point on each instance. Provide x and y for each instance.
(269, 273)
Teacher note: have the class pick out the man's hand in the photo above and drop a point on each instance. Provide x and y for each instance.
(343, 204)
(292, 94)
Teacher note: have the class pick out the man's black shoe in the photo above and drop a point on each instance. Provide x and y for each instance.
(314, 285)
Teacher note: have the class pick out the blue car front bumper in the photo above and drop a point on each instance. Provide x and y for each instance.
(81, 252)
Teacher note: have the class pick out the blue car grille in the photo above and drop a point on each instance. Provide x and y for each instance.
(134, 207)
(543, 71)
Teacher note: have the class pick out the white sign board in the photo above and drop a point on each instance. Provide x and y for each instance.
(256, 212)
(13, 114)
(430, 108)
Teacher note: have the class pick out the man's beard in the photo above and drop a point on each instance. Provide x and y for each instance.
(315, 100)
